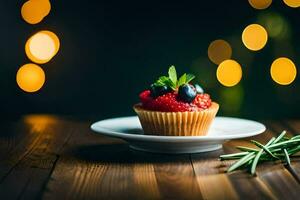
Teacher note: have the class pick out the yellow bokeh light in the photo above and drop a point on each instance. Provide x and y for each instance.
(283, 71)
(254, 37)
(30, 77)
(218, 51)
(42, 46)
(34, 11)
(229, 73)
(260, 4)
(54, 38)
(276, 25)
(292, 3)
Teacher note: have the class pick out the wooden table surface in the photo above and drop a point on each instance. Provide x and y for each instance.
(50, 157)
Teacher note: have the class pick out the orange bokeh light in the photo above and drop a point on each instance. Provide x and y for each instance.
(218, 51)
(254, 37)
(229, 73)
(34, 11)
(292, 3)
(30, 77)
(283, 71)
(42, 46)
(260, 4)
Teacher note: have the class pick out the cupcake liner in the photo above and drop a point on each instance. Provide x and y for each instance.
(194, 123)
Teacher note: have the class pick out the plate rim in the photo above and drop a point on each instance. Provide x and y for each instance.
(157, 138)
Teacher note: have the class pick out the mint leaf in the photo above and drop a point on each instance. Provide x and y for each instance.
(165, 81)
(172, 81)
(170, 84)
(189, 77)
(173, 75)
(159, 83)
(182, 80)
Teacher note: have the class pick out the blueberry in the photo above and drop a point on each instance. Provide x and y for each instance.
(187, 93)
(159, 90)
(199, 89)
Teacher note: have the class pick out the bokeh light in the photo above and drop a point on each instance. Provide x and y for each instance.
(260, 4)
(30, 77)
(39, 122)
(292, 3)
(218, 51)
(254, 37)
(232, 99)
(54, 38)
(42, 46)
(283, 71)
(229, 73)
(34, 11)
(240, 52)
(276, 25)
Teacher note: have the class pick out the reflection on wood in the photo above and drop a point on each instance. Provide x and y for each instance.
(48, 157)
(145, 180)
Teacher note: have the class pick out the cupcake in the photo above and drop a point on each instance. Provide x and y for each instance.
(175, 107)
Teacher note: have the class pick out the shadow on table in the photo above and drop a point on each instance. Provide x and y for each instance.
(121, 153)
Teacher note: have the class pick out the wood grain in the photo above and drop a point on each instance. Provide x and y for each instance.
(30, 165)
(274, 176)
(110, 170)
(293, 128)
(281, 181)
(48, 157)
(215, 183)
(176, 178)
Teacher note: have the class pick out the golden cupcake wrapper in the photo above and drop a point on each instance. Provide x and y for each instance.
(194, 123)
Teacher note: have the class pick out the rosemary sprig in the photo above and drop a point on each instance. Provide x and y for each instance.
(258, 155)
(279, 148)
(246, 149)
(287, 157)
(264, 148)
(242, 161)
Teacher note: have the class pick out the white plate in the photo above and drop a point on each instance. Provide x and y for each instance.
(222, 129)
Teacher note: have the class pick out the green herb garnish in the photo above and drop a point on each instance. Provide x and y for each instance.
(173, 75)
(280, 148)
(172, 81)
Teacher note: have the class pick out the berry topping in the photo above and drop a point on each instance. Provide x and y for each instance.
(165, 103)
(145, 96)
(158, 90)
(202, 101)
(199, 89)
(171, 80)
(169, 94)
(187, 93)
(170, 102)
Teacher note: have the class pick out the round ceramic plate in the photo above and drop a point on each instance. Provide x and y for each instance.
(221, 130)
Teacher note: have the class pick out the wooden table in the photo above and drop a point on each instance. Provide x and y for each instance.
(50, 157)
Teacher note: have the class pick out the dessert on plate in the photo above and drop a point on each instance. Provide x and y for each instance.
(175, 107)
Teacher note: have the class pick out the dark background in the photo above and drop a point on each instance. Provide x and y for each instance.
(112, 50)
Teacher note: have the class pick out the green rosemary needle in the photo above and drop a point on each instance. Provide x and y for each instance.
(264, 148)
(287, 157)
(256, 159)
(241, 162)
(279, 148)
(246, 149)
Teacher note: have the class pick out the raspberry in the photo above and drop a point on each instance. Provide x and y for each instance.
(170, 102)
(145, 96)
(166, 103)
(202, 101)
